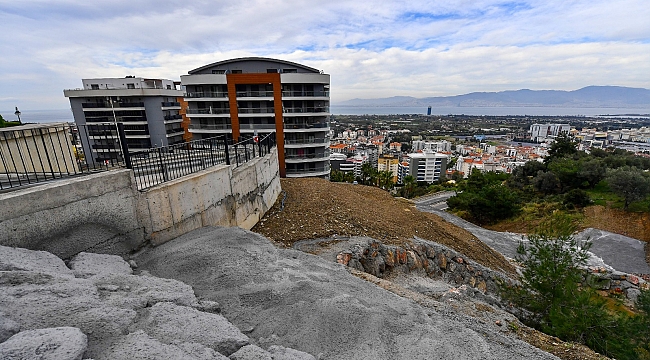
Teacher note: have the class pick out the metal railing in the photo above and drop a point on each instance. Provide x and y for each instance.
(159, 165)
(206, 94)
(297, 93)
(35, 153)
(214, 111)
(323, 109)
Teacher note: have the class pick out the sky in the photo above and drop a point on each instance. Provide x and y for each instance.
(371, 48)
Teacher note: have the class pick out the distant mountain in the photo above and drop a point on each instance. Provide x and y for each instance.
(590, 96)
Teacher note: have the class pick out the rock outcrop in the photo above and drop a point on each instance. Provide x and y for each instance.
(96, 308)
(293, 299)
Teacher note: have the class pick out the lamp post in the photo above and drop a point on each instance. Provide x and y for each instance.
(17, 113)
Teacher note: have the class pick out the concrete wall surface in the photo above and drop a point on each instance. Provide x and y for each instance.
(105, 213)
(95, 213)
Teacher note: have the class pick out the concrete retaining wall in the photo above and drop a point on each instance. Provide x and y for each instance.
(105, 213)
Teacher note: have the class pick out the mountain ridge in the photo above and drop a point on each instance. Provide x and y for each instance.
(590, 96)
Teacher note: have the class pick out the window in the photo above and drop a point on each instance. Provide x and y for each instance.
(289, 71)
(130, 86)
(218, 71)
(94, 86)
(235, 71)
(169, 87)
(271, 71)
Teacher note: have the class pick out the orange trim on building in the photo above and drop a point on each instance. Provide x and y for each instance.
(187, 136)
(259, 79)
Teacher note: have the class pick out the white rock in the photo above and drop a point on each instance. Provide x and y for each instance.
(63, 343)
(170, 324)
(136, 292)
(140, 346)
(18, 259)
(251, 352)
(85, 265)
(8, 327)
(283, 353)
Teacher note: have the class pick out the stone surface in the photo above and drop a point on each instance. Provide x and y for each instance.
(251, 352)
(140, 346)
(168, 323)
(282, 353)
(85, 265)
(297, 300)
(8, 327)
(18, 259)
(62, 343)
(137, 292)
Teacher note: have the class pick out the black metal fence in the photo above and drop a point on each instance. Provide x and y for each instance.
(35, 153)
(167, 163)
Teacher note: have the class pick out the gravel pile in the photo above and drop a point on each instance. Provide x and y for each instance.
(317, 208)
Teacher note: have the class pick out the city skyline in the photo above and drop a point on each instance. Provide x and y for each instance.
(371, 49)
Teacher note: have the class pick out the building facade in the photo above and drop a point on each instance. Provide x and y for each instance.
(149, 109)
(240, 97)
(427, 166)
(541, 132)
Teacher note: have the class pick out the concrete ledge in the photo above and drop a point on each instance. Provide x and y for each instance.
(105, 213)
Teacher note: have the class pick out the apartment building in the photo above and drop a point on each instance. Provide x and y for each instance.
(541, 132)
(390, 163)
(427, 166)
(149, 109)
(239, 97)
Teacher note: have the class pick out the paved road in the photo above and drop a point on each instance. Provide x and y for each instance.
(608, 250)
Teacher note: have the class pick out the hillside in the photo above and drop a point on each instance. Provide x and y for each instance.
(317, 208)
(590, 96)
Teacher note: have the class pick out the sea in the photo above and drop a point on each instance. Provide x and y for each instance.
(65, 115)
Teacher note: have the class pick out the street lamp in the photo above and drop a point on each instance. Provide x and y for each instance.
(17, 113)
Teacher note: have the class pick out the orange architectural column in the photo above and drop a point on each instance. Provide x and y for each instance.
(258, 79)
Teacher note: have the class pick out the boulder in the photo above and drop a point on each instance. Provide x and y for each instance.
(62, 343)
(18, 259)
(140, 346)
(8, 327)
(251, 352)
(168, 323)
(85, 265)
(283, 353)
(136, 292)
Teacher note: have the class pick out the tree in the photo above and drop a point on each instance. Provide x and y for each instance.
(336, 176)
(385, 180)
(348, 177)
(563, 146)
(554, 301)
(369, 174)
(2, 122)
(629, 183)
(409, 186)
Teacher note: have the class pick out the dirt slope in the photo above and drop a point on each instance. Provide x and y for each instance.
(317, 208)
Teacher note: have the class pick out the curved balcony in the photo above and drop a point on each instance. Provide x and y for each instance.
(220, 112)
(306, 111)
(319, 171)
(306, 158)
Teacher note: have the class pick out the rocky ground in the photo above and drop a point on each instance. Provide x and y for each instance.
(317, 208)
(95, 307)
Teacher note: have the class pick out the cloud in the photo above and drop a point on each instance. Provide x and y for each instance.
(371, 48)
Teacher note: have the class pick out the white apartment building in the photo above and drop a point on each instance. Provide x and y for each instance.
(246, 95)
(427, 166)
(541, 132)
(431, 146)
(149, 109)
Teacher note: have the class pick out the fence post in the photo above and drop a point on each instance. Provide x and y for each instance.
(162, 165)
(124, 145)
(225, 142)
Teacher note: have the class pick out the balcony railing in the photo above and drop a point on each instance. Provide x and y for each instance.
(254, 93)
(107, 105)
(245, 126)
(323, 109)
(256, 110)
(213, 111)
(307, 156)
(306, 141)
(305, 125)
(173, 117)
(210, 126)
(206, 94)
(305, 93)
(171, 104)
(309, 170)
